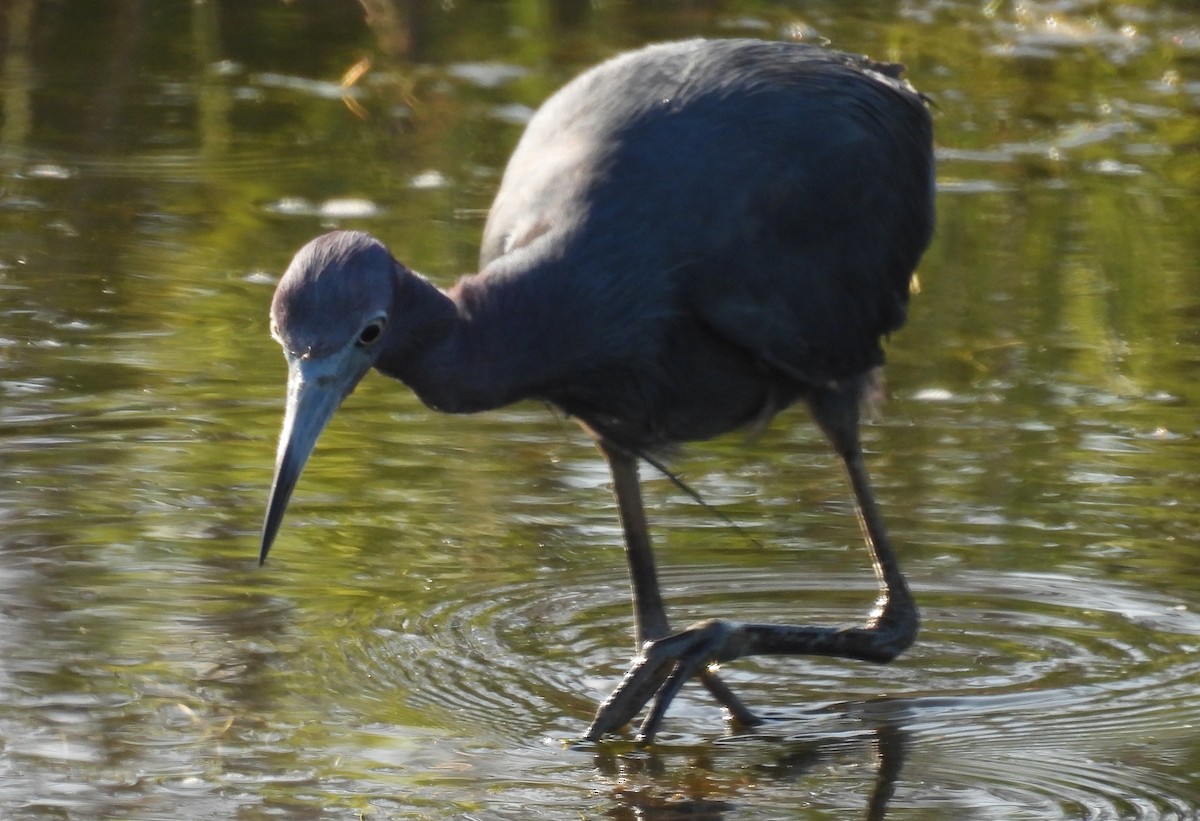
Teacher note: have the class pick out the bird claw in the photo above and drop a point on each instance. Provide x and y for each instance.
(660, 672)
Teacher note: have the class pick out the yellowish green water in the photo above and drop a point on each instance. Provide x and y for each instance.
(447, 601)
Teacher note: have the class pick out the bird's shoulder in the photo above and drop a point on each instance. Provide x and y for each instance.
(780, 194)
(677, 116)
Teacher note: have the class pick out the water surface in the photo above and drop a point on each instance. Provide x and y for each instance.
(447, 601)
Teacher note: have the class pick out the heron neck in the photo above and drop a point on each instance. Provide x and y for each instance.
(451, 354)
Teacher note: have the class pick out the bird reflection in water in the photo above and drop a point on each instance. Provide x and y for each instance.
(647, 786)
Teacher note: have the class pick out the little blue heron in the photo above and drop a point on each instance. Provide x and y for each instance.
(688, 239)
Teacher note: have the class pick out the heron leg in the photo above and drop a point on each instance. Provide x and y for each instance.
(892, 626)
(650, 616)
(666, 662)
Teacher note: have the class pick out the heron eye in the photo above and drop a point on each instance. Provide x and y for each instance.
(371, 333)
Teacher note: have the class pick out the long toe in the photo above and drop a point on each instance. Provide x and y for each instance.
(645, 676)
(659, 673)
(739, 713)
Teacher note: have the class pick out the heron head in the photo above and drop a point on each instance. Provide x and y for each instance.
(330, 313)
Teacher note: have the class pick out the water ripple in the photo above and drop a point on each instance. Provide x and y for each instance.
(1021, 692)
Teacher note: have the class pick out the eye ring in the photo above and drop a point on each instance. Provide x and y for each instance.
(371, 332)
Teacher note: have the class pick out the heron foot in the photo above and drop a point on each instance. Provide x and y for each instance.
(659, 673)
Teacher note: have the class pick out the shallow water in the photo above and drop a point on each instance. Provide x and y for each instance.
(447, 601)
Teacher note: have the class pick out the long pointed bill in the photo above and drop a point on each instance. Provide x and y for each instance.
(316, 387)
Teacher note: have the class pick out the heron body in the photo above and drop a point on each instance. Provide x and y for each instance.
(688, 238)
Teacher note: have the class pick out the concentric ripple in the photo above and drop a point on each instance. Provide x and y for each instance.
(514, 660)
(1027, 695)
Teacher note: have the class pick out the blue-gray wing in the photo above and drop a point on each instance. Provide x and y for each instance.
(779, 194)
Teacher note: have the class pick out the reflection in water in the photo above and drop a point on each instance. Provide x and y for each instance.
(891, 746)
(656, 784)
(453, 603)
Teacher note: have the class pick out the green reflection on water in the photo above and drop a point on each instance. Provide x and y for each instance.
(447, 600)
